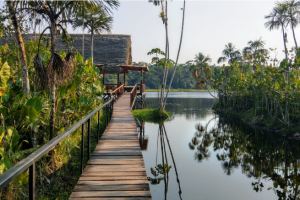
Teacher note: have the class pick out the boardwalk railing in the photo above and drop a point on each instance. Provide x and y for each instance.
(118, 92)
(133, 96)
(29, 162)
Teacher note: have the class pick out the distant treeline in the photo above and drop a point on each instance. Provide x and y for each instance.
(183, 77)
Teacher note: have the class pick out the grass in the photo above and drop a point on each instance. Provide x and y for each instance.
(178, 90)
(151, 115)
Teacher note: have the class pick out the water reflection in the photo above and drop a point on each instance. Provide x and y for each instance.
(161, 170)
(190, 107)
(264, 156)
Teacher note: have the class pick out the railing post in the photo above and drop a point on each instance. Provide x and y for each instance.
(89, 138)
(32, 181)
(98, 132)
(106, 116)
(82, 147)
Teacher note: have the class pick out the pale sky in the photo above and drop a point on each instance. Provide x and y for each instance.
(209, 25)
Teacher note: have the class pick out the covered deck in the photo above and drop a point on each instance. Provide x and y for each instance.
(119, 87)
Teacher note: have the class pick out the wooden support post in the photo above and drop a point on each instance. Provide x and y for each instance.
(118, 80)
(141, 86)
(103, 79)
(124, 78)
(143, 77)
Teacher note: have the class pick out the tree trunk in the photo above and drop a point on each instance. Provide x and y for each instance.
(92, 47)
(82, 33)
(182, 26)
(52, 112)
(162, 95)
(285, 50)
(294, 38)
(20, 43)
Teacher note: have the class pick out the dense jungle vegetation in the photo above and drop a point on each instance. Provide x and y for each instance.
(254, 83)
(183, 78)
(43, 92)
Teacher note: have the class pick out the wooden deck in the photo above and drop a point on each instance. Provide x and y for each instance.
(116, 169)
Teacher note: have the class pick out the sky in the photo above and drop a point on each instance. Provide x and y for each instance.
(209, 25)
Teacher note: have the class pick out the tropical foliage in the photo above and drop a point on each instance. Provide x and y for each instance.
(59, 89)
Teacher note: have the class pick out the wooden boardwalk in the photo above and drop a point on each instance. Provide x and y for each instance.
(116, 169)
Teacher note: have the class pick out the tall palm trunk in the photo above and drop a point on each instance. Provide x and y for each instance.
(92, 46)
(294, 38)
(285, 50)
(82, 33)
(162, 95)
(52, 112)
(165, 101)
(20, 43)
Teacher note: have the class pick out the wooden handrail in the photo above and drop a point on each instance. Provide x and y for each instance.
(119, 91)
(133, 96)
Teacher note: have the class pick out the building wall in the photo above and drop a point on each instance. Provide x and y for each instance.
(110, 49)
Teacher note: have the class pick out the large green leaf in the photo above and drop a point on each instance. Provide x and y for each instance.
(3, 111)
(15, 141)
(36, 103)
(5, 164)
(29, 112)
(4, 74)
(2, 152)
(79, 58)
(276, 85)
(19, 99)
(2, 91)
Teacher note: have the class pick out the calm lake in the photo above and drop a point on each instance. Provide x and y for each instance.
(226, 160)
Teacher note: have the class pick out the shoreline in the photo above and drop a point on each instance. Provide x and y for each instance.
(179, 90)
(260, 124)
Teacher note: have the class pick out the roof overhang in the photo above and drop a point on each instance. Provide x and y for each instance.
(134, 68)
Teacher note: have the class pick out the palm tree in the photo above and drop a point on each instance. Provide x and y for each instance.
(97, 22)
(53, 11)
(293, 16)
(230, 53)
(201, 70)
(201, 62)
(253, 48)
(13, 15)
(278, 19)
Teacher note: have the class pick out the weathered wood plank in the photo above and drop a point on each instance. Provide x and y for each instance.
(117, 182)
(112, 194)
(127, 187)
(112, 198)
(111, 178)
(116, 170)
(114, 173)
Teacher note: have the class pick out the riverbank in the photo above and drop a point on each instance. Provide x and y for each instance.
(257, 121)
(178, 90)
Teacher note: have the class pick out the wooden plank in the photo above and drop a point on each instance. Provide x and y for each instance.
(116, 170)
(112, 194)
(112, 198)
(127, 187)
(111, 178)
(115, 173)
(118, 182)
(99, 153)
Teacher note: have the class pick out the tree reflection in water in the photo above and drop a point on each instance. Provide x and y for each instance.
(260, 155)
(161, 171)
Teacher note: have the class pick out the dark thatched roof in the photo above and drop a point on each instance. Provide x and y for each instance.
(110, 50)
